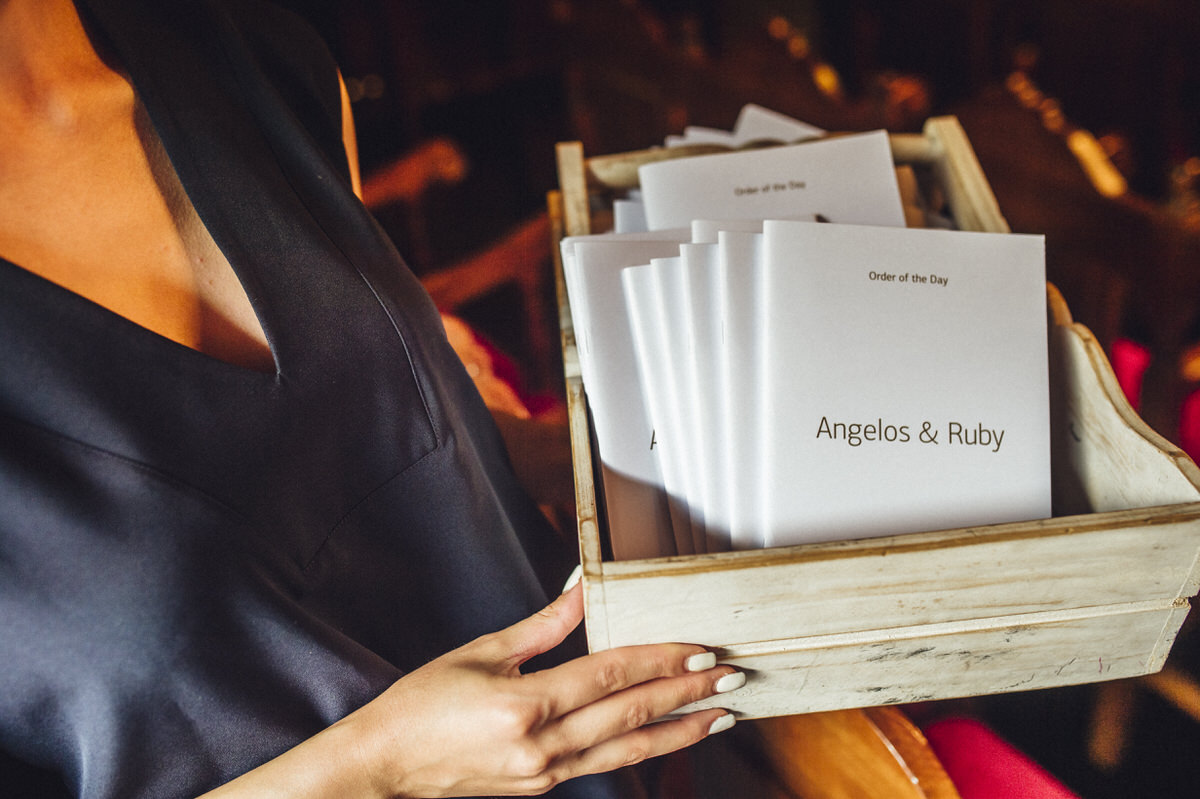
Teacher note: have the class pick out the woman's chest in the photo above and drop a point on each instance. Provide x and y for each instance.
(98, 209)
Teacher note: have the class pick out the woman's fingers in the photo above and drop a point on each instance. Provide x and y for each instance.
(643, 743)
(589, 679)
(538, 633)
(593, 713)
(606, 694)
(620, 713)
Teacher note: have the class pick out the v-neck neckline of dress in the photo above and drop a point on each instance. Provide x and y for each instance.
(156, 107)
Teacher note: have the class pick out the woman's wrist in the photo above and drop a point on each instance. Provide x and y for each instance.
(341, 760)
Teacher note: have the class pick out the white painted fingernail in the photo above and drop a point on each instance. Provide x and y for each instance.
(721, 724)
(702, 662)
(730, 682)
(573, 579)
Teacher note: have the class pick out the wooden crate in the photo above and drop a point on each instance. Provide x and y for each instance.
(1097, 592)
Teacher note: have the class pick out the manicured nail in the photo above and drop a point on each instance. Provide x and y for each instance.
(702, 662)
(721, 724)
(573, 579)
(730, 682)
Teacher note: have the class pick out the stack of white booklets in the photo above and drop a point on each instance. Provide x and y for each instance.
(775, 359)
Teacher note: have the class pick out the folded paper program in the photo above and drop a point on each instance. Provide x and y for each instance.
(771, 380)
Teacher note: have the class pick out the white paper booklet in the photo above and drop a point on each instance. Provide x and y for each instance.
(908, 387)
(639, 519)
(659, 319)
(705, 298)
(704, 231)
(739, 363)
(594, 285)
(849, 179)
(629, 216)
(696, 134)
(755, 123)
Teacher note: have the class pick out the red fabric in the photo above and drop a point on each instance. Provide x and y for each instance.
(983, 766)
(1129, 362)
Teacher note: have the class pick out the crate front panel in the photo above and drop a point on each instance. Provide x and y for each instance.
(899, 582)
(829, 673)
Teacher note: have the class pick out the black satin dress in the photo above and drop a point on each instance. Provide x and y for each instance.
(202, 565)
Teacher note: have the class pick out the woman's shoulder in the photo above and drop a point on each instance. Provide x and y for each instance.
(285, 45)
(253, 45)
(295, 60)
(276, 31)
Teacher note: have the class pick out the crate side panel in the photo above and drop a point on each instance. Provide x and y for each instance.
(1104, 457)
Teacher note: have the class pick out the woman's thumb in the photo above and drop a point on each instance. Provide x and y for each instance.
(545, 629)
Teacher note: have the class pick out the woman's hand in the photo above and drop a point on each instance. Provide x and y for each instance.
(470, 723)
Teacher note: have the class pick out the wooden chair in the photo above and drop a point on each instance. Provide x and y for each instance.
(851, 754)
(518, 259)
(1117, 257)
(407, 179)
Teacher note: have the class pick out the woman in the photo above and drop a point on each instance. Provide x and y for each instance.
(254, 518)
